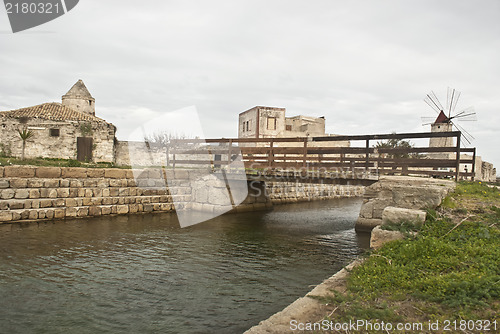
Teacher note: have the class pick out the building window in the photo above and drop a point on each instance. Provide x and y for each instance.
(248, 125)
(54, 132)
(90, 102)
(271, 123)
(288, 128)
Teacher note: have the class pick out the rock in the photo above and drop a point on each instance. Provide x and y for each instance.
(398, 215)
(380, 237)
(403, 192)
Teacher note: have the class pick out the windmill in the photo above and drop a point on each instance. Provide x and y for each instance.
(448, 118)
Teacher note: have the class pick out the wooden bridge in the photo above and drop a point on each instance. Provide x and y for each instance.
(333, 157)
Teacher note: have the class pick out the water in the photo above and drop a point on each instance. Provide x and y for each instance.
(144, 274)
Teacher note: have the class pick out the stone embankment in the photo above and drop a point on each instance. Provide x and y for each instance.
(37, 193)
(30, 193)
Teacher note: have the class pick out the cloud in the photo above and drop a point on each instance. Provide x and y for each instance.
(364, 65)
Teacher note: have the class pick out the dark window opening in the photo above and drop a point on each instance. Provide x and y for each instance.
(90, 102)
(248, 123)
(54, 132)
(288, 128)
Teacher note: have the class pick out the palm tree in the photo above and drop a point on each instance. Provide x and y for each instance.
(25, 134)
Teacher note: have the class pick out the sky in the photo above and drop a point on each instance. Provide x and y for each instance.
(364, 65)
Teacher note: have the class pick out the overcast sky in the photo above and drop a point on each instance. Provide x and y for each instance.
(364, 65)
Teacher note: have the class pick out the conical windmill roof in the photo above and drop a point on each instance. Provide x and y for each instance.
(78, 90)
(442, 118)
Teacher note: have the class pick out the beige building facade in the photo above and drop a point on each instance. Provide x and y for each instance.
(67, 130)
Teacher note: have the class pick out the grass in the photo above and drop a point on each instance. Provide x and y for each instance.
(52, 162)
(449, 271)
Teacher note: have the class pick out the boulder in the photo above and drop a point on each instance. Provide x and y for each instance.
(398, 215)
(380, 237)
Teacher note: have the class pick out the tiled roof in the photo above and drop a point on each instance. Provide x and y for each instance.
(52, 111)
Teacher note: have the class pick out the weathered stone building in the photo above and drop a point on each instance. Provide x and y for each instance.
(270, 122)
(67, 130)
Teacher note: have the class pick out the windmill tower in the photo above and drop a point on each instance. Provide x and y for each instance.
(446, 120)
(79, 98)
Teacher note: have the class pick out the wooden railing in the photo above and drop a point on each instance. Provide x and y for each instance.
(329, 153)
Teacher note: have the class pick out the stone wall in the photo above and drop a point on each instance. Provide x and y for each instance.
(63, 146)
(30, 193)
(402, 192)
(37, 193)
(291, 192)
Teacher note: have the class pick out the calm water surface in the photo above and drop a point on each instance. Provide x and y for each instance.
(144, 274)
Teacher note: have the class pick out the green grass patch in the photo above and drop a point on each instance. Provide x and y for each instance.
(449, 270)
(52, 162)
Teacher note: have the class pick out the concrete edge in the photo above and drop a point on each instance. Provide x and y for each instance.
(280, 322)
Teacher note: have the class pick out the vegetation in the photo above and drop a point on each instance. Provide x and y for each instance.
(397, 144)
(450, 270)
(25, 134)
(8, 161)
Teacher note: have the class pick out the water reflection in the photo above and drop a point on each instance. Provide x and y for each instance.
(144, 274)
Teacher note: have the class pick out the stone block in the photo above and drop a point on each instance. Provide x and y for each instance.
(63, 192)
(133, 208)
(106, 210)
(148, 207)
(59, 213)
(5, 216)
(122, 209)
(102, 183)
(41, 214)
(51, 183)
(90, 183)
(165, 207)
(4, 205)
(4, 184)
(95, 211)
(25, 214)
(115, 173)
(76, 183)
(48, 172)
(34, 193)
(124, 192)
(35, 183)
(89, 193)
(367, 224)
(95, 172)
(64, 183)
(71, 211)
(73, 192)
(82, 212)
(14, 205)
(59, 202)
(399, 215)
(81, 192)
(35, 203)
(379, 237)
(105, 192)
(1, 171)
(19, 171)
(33, 214)
(49, 214)
(46, 203)
(70, 202)
(18, 183)
(22, 193)
(73, 172)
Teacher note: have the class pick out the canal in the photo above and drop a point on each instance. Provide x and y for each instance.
(144, 274)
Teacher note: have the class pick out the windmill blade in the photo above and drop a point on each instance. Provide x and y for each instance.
(453, 96)
(454, 103)
(465, 134)
(426, 119)
(466, 115)
(433, 102)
